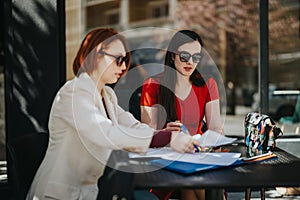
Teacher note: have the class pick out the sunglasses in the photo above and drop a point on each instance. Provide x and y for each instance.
(119, 59)
(185, 56)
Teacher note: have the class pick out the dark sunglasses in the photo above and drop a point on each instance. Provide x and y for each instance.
(185, 56)
(119, 59)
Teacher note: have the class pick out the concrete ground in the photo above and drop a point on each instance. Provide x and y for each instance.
(234, 124)
(270, 194)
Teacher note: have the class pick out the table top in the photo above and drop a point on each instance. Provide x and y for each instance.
(282, 172)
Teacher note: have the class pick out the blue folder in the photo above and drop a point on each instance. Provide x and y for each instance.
(188, 168)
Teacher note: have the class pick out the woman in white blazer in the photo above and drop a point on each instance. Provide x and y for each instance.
(86, 123)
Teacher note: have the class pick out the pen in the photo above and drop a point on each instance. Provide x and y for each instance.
(186, 131)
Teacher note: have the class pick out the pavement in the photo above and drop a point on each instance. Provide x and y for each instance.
(234, 124)
(270, 194)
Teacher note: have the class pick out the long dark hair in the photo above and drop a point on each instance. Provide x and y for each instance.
(167, 88)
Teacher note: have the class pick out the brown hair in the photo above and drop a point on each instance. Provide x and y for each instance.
(86, 55)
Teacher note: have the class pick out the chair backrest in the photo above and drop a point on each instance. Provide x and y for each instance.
(117, 181)
(26, 153)
(134, 103)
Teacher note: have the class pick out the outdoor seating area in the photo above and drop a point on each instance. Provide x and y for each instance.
(86, 84)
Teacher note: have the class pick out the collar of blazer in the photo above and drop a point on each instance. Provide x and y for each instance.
(108, 95)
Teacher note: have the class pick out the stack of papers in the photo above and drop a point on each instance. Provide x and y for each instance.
(213, 139)
(187, 163)
(218, 158)
(188, 168)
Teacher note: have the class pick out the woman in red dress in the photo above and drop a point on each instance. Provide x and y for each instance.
(181, 95)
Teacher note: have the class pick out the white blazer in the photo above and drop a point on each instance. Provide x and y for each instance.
(82, 137)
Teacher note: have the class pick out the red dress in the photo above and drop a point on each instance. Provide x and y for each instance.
(190, 111)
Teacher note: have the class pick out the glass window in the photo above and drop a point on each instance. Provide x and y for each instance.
(284, 41)
(231, 36)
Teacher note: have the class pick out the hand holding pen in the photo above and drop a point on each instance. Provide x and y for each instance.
(181, 142)
(197, 147)
(179, 127)
(186, 131)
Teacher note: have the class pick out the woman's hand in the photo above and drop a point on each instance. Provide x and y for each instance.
(183, 143)
(173, 126)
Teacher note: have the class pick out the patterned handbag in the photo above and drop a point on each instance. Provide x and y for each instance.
(260, 133)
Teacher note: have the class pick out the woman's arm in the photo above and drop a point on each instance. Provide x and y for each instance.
(149, 116)
(213, 116)
(148, 101)
(78, 108)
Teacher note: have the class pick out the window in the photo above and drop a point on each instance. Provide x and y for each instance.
(159, 11)
(102, 14)
(112, 16)
(230, 33)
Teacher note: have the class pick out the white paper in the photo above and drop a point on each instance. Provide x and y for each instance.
(212, 158)
(212, 139)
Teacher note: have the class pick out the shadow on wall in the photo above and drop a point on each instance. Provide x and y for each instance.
(2, 119)
(31, 80)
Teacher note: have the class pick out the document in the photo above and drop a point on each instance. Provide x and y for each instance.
(212, 139)
(211, 158)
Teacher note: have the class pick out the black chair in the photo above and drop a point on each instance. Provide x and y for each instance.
(117, 181)
(134, 103)
(26, 153)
